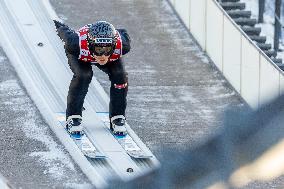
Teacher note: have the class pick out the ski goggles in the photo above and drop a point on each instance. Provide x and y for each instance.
(101, 46)
(99, 51)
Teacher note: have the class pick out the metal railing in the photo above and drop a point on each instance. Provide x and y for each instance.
(277, 21)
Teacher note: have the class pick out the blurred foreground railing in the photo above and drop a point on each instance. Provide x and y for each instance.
(248, 151)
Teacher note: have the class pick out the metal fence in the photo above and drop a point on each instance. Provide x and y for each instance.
(278, 26)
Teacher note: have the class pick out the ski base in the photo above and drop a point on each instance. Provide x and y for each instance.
(130, 146)
(82, 141)
(126, 141)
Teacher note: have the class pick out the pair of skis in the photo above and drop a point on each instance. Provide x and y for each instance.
(91, 150)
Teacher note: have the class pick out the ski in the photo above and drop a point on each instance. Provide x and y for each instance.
(127, 142)
(82, 141)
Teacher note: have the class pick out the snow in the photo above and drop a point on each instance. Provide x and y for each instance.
(33, 131)
(3, 184)
(54, 159)
(267, 28)
(2, 58)
(178, 30)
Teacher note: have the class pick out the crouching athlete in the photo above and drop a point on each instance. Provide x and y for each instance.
(102, 45)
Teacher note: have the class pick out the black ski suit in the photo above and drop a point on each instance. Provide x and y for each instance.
(83, 74)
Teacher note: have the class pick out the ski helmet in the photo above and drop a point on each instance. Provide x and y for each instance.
(102, 38)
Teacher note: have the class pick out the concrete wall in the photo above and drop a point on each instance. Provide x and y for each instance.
(257, 79)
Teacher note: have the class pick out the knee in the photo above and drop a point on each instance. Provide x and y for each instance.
(119, 77)
(85, 76)
(119, 80)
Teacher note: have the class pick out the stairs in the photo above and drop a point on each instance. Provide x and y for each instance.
(235, 9)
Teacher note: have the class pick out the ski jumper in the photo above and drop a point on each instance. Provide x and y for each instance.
(80, 60)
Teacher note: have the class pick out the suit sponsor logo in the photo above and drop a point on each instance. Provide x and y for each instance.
(84, 52)
(116, 51)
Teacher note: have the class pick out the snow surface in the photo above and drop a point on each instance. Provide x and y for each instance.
(267, 27)
(2, 58)
(53, 158)
(33, 131)
(178, 30)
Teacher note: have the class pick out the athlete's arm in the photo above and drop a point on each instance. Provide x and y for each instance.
(125, 41)
(69, 37)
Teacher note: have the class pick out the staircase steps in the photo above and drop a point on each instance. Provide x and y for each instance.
(239, 14)
(233, 5)
(245, 21)
(235, 9)
(257, 38)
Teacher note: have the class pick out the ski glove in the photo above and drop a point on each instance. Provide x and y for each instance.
(58, 24)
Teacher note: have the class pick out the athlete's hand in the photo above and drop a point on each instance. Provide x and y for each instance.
(58, 24)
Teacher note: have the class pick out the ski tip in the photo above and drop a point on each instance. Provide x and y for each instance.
(135, 156)
(94, 155)
(100, 157)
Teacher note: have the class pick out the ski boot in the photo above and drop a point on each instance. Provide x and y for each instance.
(73, 125)
(117, 125)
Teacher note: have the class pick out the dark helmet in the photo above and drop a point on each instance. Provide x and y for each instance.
(102, 38)
(102, 34)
